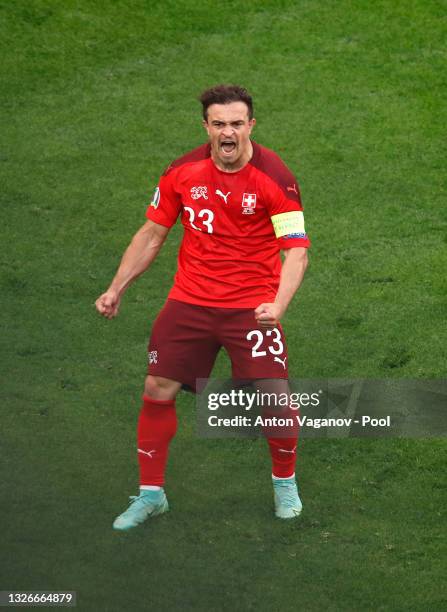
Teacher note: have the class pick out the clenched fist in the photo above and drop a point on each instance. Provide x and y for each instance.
(268, 315)
(108, 304)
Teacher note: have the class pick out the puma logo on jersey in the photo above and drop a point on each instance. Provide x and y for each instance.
(293, 188)
(224, 196)
(281, 361)
(148, 453)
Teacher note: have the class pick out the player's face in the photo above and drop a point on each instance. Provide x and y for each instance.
(229, 130)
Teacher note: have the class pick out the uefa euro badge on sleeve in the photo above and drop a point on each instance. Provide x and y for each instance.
(156, 198)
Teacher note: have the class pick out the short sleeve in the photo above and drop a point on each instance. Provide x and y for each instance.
(166, 201)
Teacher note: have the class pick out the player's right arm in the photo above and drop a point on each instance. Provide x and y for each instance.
(137, 258)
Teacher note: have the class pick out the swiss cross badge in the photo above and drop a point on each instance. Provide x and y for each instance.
(248, 203)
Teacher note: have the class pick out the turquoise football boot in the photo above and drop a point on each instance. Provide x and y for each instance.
(287, 501)
(141, 507)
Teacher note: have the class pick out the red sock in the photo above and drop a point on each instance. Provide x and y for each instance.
(283, 454)
(157, 425)
(282, 443)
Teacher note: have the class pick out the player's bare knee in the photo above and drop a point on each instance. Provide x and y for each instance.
(161, 388)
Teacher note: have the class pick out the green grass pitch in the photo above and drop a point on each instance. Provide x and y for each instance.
(97, 98)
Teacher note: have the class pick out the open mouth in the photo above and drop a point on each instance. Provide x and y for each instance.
(228, 146)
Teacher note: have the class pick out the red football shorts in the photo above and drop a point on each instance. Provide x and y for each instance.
(186, 338)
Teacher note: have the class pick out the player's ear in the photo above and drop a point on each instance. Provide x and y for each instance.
(252, 123)
(205, 125)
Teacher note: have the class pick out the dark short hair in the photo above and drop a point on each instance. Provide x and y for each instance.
(224, 94)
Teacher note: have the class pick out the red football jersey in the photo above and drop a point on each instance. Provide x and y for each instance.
(234, 226)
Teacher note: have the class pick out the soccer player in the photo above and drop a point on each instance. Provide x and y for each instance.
(240, 207)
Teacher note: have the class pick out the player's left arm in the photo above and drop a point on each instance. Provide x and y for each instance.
(283, 200)
(294, 266)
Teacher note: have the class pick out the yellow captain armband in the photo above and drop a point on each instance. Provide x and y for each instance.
(289, 223)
